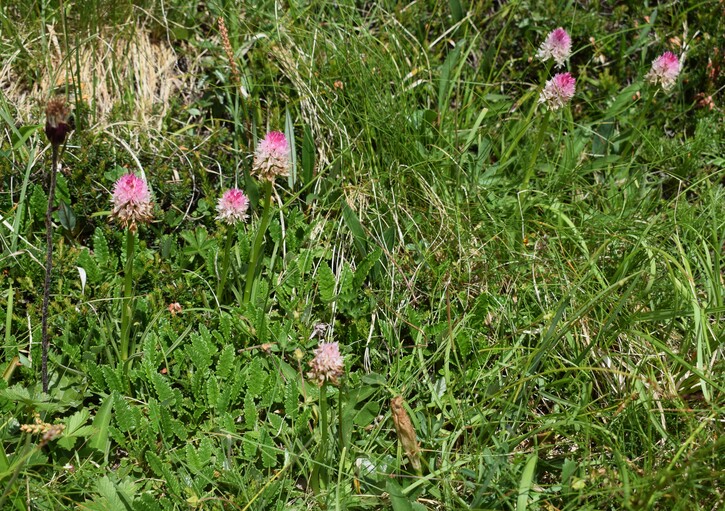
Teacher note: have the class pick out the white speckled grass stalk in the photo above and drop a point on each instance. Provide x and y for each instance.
(48, 268)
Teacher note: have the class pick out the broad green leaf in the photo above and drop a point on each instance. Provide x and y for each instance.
(74, 428)
(101, 422)
(397, 498)
(527, 479)
(358, 232)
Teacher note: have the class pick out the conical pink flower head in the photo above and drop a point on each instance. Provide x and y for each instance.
(328, 365)
(665, 70)
(558, 91)
(131, 201)
(232, 206)
(557, 46)
(272, 157)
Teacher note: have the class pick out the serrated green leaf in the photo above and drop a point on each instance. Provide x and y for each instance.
(363, 269)
(163, 390)
(212, 392)
(155, 463)
(291, 400)
(101, 251)
(38, 203)
(226, 362)
(88, 263)
(74, 428)
(126, 417)
(346, 282)
(256, 378)
(250, 412)
(198, 352)
(113, 379)
(17, 393)
(108, 497)
(225, 325)
(250, 442)
(269, 451)
(326, 282)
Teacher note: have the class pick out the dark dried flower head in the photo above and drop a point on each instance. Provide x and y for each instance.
(57, 121)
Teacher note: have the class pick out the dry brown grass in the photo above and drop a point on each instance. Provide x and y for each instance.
(119, 65)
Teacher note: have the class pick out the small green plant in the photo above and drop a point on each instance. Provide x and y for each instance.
(132, 205)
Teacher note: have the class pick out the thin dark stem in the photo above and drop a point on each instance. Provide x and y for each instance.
(48, 267)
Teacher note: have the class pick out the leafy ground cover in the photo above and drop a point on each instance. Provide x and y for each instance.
(528, 300)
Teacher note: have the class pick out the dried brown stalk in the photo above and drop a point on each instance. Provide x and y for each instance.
(406, 432)
(224, 33)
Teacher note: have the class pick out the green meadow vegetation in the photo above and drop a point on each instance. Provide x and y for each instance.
(528, 298)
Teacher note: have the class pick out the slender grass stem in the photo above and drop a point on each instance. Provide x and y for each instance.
(48, 267)
(127, 310)
(258, 241)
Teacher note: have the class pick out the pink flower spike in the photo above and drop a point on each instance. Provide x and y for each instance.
(272, 157)
(557, 46)
(131, 201)
(232, 206)
(328, 365)
(665, 70)
(558, 91)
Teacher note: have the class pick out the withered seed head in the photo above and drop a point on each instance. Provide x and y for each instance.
(57, 124)
(406, 432)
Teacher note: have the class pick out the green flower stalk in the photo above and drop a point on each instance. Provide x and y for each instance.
(271, 160)
(57, 127)
(131, 205)
(326, 368)
(556, 94)
(232, 208)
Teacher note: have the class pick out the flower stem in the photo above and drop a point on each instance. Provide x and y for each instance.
(48, 268)
(127, 309)
(258, 240)
(539, 141)
(225, 264)
(319, 473)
